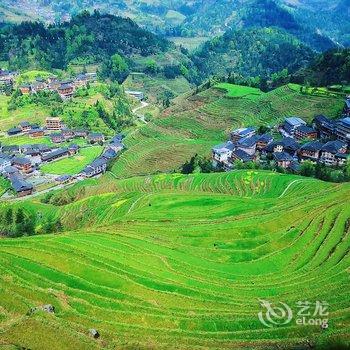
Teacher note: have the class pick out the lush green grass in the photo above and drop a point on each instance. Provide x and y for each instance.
(74, 164)
(24, 140)
(239, 91)
(180, 262)
(31, 113)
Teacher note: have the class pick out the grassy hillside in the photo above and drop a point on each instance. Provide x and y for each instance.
(180, 262)
(193, 124)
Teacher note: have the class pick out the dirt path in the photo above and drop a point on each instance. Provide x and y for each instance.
(140, 115)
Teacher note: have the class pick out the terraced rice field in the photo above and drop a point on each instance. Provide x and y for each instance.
(180, 262)
(196, 123)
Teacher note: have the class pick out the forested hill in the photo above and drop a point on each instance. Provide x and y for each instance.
(331, 67)
(252, 52)
(86, 38)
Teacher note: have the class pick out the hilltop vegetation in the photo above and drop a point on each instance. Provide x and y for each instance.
(190, 269)
(100, 106)
(329, 68)
(254, 52)
(84, 39)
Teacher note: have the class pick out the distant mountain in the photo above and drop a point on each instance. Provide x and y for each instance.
(323, 23)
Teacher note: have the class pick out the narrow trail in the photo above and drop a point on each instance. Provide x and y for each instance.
(287, 188)
(140, 116)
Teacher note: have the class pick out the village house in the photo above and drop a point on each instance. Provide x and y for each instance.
(14, 131)
(283, 159)
(95, 137)
(139, 95)
(73, 149)
(98, 166)
(10, 149)
(80, 133)
(36, 133)
(292, 123)
(222, 153)
(20, 186)
(64, 179)
(56, 154)
(67, 134)
(80, 81)
(333, 152)
(263, 141)
(109, 154)
(53, 85)
(305, 132)
(66, 90)
(324, 126)
(311, 151)
(287, 144)
(53, 123)
(57, 138)
(6, 79)
(116, 143)
(22, 164)
(248, 144)
(25, 89)
(241, 133)
(10, 171)
(38, 85)
(343, 130)
(25, 126)
(5, 161)
(242, 156)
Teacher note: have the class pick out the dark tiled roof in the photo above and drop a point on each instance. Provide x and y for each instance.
(109, 154)
(19, 184)
(333, 146)
(248, 141)
(282, 156)
(305, 129)
(240, 154)
(313, 146)
(98, 162)
(265, 138)
(21, 161)
(57, 153)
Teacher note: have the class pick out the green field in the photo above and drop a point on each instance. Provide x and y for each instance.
(195, 123)
(74, 164)
(180, 262)
(239, 91)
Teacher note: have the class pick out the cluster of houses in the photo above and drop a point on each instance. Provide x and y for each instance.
(56, 130)
(7, 79)
(64, 88)
(17, 163)
(325, 141)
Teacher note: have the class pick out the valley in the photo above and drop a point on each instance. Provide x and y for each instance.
(176, 177)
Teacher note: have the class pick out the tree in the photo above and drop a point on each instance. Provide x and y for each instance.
(115, 69)
(307, 168)
(151, 67)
